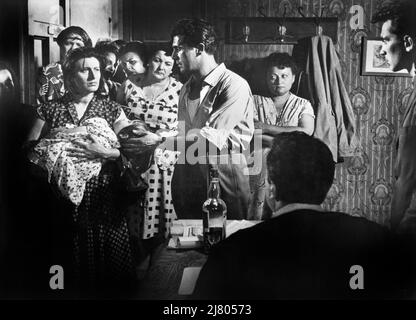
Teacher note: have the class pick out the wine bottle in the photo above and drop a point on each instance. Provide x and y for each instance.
(214, 213)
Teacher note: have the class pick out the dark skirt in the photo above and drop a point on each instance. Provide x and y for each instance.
(101, 244)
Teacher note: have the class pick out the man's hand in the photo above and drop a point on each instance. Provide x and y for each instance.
(140, 142)
(259, 125)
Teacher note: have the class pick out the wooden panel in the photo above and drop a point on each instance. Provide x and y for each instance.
(266, 30)
(153, 20)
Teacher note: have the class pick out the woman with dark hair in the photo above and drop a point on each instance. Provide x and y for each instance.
(133, 57)
(119, 75)
(101, 249)
(110, 53)
(50, 84)
(280, 111)
(153, 99)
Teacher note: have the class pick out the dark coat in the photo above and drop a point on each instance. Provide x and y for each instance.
(305, 254)
(323, 86)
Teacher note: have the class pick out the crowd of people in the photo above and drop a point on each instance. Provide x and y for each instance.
(118, 147)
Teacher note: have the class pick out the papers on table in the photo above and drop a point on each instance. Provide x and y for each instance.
(187, 234)
(189, 277)
(235, 225)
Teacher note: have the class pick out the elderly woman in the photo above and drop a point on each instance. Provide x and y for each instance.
(153, 99)
(100, 237)
(281, 111)
(50, 84)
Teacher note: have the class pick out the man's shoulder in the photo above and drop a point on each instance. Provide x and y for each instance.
(235, 76)
(307, 222)
(232, 78)
(410, 114)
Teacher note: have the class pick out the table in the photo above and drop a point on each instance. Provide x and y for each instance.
(164, 276)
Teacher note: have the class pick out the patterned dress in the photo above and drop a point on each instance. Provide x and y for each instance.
(266, 112)
(159, 114)
(100, 241)
(50, 84)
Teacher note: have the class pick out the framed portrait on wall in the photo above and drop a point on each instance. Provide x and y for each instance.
(375, 64)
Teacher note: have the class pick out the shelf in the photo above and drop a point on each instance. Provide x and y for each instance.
(266, 30)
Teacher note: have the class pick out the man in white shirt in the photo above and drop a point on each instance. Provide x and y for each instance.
(216, 111)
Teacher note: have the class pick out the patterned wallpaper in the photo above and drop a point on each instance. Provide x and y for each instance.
(363, 184)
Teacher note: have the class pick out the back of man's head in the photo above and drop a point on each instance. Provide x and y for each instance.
(196, 31)
(402, 14)
(301, 167)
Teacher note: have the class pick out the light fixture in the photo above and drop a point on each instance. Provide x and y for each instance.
(246, 33)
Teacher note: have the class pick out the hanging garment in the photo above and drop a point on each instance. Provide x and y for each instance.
(323, 86)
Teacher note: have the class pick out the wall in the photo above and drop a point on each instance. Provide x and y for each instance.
(93, 16)
(363, 184)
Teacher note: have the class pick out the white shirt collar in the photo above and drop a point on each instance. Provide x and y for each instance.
(215, 75)
(297, 206)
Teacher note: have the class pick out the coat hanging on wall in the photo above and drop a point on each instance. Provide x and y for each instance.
(322, 84)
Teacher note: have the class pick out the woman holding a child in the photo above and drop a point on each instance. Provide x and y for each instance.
(101, 250)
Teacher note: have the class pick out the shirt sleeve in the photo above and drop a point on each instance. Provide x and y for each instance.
(256, 106)
(307, 109)
(42, 87)
(406, 173)
(231, 124)
(43, 111)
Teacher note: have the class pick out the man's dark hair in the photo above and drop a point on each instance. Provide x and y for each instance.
(301, 167)
(281, 60)
(74, 30)
(68, 66)
(137, 47)
(402, 15)
(196, 31)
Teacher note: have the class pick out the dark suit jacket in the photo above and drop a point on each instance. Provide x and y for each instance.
(305, 254)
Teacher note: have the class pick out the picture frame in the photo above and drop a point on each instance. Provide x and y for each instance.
(374, 64)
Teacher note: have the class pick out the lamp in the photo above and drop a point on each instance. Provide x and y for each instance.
(246, 33)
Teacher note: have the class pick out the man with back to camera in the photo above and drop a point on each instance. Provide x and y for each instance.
(215, 105)
(399, 48)
(303, 252)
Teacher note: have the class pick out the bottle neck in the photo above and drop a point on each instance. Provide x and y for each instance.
(214, 189)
